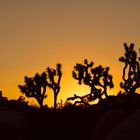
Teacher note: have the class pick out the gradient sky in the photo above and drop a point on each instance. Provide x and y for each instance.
(35, 34)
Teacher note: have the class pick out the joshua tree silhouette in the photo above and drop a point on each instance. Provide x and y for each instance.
(131, 70)
(35, 87)
(54, 78)
(98, 78)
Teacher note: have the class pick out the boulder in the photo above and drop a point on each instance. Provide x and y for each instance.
(11, 125)
(106, 123)
(129, 129)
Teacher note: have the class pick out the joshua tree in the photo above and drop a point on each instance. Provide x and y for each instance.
(35, 87)
(131, 70)
(98, 78)
(101, 79)
(54, 78)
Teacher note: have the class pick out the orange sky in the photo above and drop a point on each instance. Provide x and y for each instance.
(36, 34)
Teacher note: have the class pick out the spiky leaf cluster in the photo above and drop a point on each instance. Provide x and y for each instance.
(81, 71)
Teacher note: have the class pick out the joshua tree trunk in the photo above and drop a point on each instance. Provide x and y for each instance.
(55, 101)
(40, 102)
(105, 92)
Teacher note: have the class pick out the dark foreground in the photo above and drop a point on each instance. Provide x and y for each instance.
(115, 119)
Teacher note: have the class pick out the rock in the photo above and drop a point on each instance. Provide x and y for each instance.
(127, 130)
(11, 125)
(106, 123)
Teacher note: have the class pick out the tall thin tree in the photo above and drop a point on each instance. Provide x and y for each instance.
(131, 70)
(54, 78)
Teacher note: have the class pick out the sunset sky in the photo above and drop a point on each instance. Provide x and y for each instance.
(35, 34)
